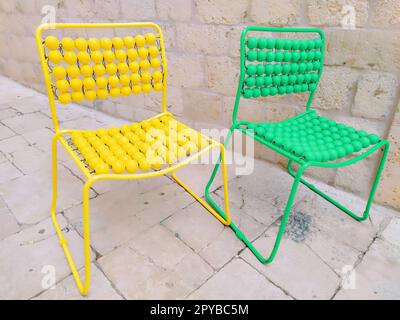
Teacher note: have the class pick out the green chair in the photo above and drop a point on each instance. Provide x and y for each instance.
(276, 66)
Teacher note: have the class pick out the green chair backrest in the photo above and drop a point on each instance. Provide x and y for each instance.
(278, 66)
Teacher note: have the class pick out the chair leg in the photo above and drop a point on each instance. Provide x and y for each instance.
(225, 219)
(83, 288)
(339, 205)
(285, 216)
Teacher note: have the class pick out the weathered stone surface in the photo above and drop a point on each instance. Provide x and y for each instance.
(222, 74)
(279, 13)
(207, 39)
(202, 105)
(178, 10)
(392, 232)
(28, 122)
(247, 284)
(338, 12)
(8, 172)
(376, 277)
(389, 188)
(186, 71)
(9, 224)
(370, 49)
(221, 11)
(385, 13)
(336, 89)
(375, 97)
(66, 289)
(28, 252)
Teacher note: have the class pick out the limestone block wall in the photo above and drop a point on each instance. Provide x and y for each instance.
(360, 85)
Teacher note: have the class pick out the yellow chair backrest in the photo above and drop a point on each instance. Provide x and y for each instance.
(97, 68)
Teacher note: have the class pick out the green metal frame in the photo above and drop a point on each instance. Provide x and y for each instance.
(304, 165)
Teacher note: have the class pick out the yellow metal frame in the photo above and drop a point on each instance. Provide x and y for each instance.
(84, 286)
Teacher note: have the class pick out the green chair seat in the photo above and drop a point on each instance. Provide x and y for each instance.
(314, 138)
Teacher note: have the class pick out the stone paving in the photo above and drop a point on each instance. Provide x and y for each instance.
(151, 240)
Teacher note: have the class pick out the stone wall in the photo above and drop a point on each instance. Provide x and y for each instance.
(360, 85)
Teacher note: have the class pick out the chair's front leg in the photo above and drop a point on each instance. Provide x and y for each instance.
(83, 289)
(224, 218)
(338, 204)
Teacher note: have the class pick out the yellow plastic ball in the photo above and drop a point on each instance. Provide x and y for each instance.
(146, 88)
(101, 132)
(81, 44)
(90, 95)
(51, 43)
(124, 80)
(70, 57)
(113, 81)
(118, 43)
(106, 43)
(131, 166)
(112, 131)
(64, 98)
(62, 85)
(97, 57)
(126, 91)
(140, 41)
(144, 165)
(115, 92)
(77, 96)
(118, 167)
(146, 77)
(94, 44)
(123, 67)
(155, 63)
(124, 129)
(143, 53)
(158, 86)
(101, 168)
(136, 78)
(129, 42)
(59, 72)
(55, 56)
(111, 69)
(150, 38)
(132, 54)
(76, 84)
(73, 71)
(144, 64)
(83, 57)
(157, 76)
(99, 69)
(87, 71)
(153, 51)
(137, 89)
(134, 66)
(89, 83)
(120, 55)
(68, 44)
(102, 94)
(101, 82)
(109, 56)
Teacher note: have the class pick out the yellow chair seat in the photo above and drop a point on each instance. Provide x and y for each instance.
(155, 143)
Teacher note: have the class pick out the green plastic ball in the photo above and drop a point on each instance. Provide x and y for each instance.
(261, 56)
(318, 43)
(364, 142)
(287, 56)
(248, 93)
(373, 138)
(277, 68)
(303, 56)
(279, 56)
(312, 86)
(276, 80)
(310, 66)
(310, 55)
(260, 131)
(304, 87)
(288, 44)
(251, 69)
(302, 67)
(307, 78)
(282, 90)
(286, 68)
(316, 65)
(252, 42)
(269, 69)
(256, 92)
(273, 91)
(279, 43)
(270, 43)
(259, 81)
(314, 77)
(297, 88)
(317, 55)
(262, 43)
(289, 89)
(294, 67)
(260, 69)
(267, 81)
(250, 81)
(303, 45)
(252, 55)
(265, 92)
(292, 79)
(357, 145)
(270, 56)
(284, 80)
(295, 56)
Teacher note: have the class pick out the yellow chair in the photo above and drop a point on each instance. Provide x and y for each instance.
(78, 69)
